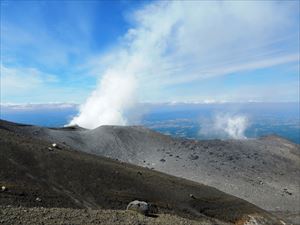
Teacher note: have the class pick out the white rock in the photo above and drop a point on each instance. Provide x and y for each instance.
(139, 206)
(3, 188)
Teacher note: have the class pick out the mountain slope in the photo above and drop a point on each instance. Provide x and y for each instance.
(67, 178)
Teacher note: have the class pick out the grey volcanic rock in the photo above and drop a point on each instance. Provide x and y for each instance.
(262, 171)
(139, 206)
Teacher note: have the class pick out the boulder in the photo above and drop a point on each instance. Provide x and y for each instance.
(54, 145)
(139, 206)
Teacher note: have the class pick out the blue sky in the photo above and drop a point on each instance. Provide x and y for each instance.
(76, 51)
(45, 46)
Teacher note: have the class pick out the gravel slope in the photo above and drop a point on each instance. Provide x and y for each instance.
(49, 216)
(67, 178)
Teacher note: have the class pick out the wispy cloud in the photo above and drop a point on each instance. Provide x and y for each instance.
(20, 80)
(200, 74)
(199, 40)
(18, 84)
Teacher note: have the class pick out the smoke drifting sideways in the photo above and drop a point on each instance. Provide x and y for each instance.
(226, 126)
(172, 43)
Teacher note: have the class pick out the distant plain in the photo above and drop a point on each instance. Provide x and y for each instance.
(178, 119)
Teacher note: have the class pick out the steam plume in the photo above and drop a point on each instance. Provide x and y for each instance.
(226, 126)
(233, 126)
(176, 42)
(107, 103)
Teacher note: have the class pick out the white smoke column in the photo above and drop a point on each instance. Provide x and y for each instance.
(233, 126)
(107, 103)
(114, 95)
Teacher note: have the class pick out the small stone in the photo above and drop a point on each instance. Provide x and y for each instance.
(54, 145)
(162, 160)
(192, 196)
(50, 149)
(287, 192)
(193, 157)
(38, 199)
(3, 188)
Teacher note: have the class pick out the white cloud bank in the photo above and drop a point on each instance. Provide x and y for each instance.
(178, 42)
(37, 106)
